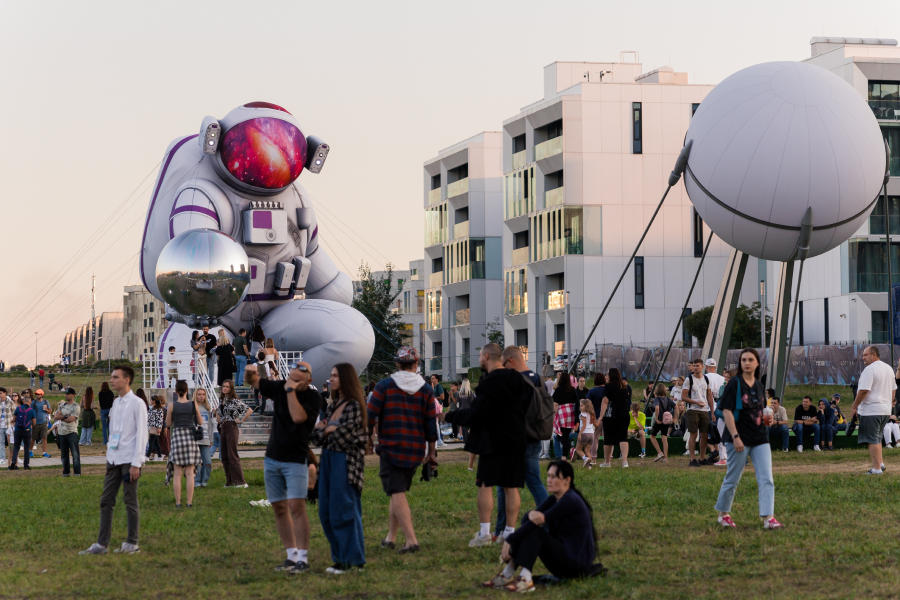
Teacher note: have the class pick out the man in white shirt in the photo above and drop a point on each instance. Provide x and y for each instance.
(124, 458)
(716, 382)
(874, 398)
(698, 397)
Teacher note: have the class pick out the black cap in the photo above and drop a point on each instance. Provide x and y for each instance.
(70, 391)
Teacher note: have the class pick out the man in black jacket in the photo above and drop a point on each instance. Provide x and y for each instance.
(497, 418)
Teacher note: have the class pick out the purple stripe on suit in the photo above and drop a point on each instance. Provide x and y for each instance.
(190, 208)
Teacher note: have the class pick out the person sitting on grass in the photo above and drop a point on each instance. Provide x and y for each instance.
(806, 420)
(566, 546)
(663, 418)
(636, 423)
(779, 422)
(891, 428)
(828, 423)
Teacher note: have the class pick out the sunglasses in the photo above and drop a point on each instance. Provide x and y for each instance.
(302, 368)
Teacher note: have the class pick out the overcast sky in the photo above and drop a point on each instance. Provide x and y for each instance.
(93, 92)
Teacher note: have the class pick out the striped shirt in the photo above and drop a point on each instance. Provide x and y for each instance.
(405, 422)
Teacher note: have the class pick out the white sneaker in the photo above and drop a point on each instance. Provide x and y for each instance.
(816, 448)
(127, 549)
(440, 444)
(799, 448)
(686, 453)
(886, 446)
(480, 540)
(95, 549)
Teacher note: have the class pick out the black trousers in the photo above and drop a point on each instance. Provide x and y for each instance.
(565, 441)
(540, 544)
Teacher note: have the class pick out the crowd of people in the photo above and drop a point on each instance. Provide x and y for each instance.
(509, 421)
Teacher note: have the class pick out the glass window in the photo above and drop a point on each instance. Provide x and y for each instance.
(694, 108)
(637, 129)
(877, 218)
(892, 135)
(515, 288)
(884, 99)
(868, 268)
(697, 228)
(518, 193)
(639, 282)
(433, 309)
(437, 226)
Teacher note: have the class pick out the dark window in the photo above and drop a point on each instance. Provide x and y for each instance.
(868, 267)
(554, 180)
(637, 129)
(437, 264)
(145, 308)
(435, 182)
(151, 307)
(145, 322)
(694, 108)
(877, 218)
(884, 99)
(559, 332)
(698, 234)
(880, 327)
(462, 215)
(520, 240)
(685, 336)
(151, 321)
(639, 282)
(892, 135)
(826, 323)
(518, 143)
(521, 337)
(554, 129)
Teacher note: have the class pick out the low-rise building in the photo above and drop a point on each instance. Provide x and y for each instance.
(99, 339)
(144, 321)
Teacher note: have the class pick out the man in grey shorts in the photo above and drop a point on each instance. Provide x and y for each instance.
(874, 398)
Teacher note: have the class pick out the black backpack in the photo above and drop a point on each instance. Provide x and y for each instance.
(539, 416)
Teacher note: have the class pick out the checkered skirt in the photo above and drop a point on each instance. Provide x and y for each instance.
(185, 451)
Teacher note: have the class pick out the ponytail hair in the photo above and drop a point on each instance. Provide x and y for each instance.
(564, 470)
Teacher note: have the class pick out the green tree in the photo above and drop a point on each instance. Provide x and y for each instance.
(744, 332)
(493, 333)
(697, 323)
(374, 299)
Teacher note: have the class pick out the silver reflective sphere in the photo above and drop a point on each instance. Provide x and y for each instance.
(203, 273)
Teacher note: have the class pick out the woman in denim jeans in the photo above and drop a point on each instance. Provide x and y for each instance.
(742, 406)
(202, 477)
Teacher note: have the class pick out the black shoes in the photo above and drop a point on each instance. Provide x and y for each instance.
(287, 565)
(694, 463)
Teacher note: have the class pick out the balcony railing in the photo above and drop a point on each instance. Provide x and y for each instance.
(435, 364)
(519, 160)
(520, 256)
(556, 299)
(548, 148)
(406, 310)
(436, 279)
(433, 238)
(554, 197)
(885, 110)
(879, 337)
(434, 196)
(461, 230)
(458, 188)
(415, 277)
(465, 361)
(462, 317)
(518, 304)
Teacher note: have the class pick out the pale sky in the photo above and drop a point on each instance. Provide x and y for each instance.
(93, 92)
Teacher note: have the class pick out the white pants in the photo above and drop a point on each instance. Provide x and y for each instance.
(723, 452)
(891, 428)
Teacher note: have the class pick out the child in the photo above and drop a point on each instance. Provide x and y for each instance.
(585, 432)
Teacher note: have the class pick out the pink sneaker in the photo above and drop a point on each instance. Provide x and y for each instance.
(722, 463)
(727, 522)
(772, 524)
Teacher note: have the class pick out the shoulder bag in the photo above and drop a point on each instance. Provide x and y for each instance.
(198, 428)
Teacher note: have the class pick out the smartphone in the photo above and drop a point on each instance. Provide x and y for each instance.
(127, 477)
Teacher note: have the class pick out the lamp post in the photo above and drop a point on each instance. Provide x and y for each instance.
(35, 350)
(762, 312)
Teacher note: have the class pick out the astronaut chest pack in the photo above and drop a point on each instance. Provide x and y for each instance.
(266, 223)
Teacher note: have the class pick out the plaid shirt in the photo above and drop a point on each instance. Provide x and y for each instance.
(349, 438)
(405, 422)
(7, 410)
(566, 416)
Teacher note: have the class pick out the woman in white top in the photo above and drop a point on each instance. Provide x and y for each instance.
(586, 422)
(271, 352)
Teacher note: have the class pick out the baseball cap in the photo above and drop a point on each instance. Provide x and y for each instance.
(70, 391)
(710, 362)
(407, 354)
(836, 396)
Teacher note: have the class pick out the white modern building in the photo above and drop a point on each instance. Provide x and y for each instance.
(463, 201)
(843, 293)
(584, 169)
(410, 305)
(98, 339)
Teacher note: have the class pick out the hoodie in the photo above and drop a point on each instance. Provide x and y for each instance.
(408, 381)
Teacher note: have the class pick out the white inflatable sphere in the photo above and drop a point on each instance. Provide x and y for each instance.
(774, 139)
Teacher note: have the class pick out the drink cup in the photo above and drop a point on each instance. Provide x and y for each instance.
(768, 416)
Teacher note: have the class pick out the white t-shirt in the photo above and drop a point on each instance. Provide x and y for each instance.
(716, 382)
(589, 428)
(698, 392)
(878, 379)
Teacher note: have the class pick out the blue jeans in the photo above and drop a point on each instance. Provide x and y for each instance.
(762, 464)
(203, 473)
(828, 433)
(800, 429)
(784, 431)
(210, 366)
(241, 365)
(340, 510)
(216, 444)
(104, 419)
(557, 446)
(86, 433)
(532, 482)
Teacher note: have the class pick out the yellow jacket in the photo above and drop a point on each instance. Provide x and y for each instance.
(642, 420)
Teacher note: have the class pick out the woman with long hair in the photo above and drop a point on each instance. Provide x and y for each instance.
(343, 435)
(203, 473)
(155, 422)
(271, 353)
(565, 399)
(595, 395)
(663, 417)
(185, 455)
(465, 401)
(560, 532)
(231, 413)
(140, 393)
(743, 407)
(257, 341)
(88, 417)
(225, 354)
(616, 414)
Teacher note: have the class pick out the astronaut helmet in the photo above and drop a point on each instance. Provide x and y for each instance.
(261, 149)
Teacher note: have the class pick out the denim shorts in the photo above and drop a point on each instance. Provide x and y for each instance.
(285, 481)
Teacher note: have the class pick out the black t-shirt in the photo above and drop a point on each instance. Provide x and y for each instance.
(619, 404)
(210, 343)
(749, 423)
(801, 414)
(595, 395)
(106, 400)
(289, 441)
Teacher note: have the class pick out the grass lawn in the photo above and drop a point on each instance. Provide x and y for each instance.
(656, 525)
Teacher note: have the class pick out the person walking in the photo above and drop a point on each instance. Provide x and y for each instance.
(41, 422)
(7, 422)
(185, 455)
(201, 479)
(615, 414)
(272, 355)
(402, 408)
(566, 400)
(155, 421)
(67, 415)
(342, 436)
(241, 354)
(32, 376)
(874, 396)
(88, 417)
(663, 418)
(697, 395)
(585, 433)
(106, 398)
(232, 412)
(41, 374)
(742, 407)
(24, 419)
(595, 395)
(295, 404)
(124, 459)
(257, 342)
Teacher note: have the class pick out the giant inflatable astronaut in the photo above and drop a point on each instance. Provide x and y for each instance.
(230, 238)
